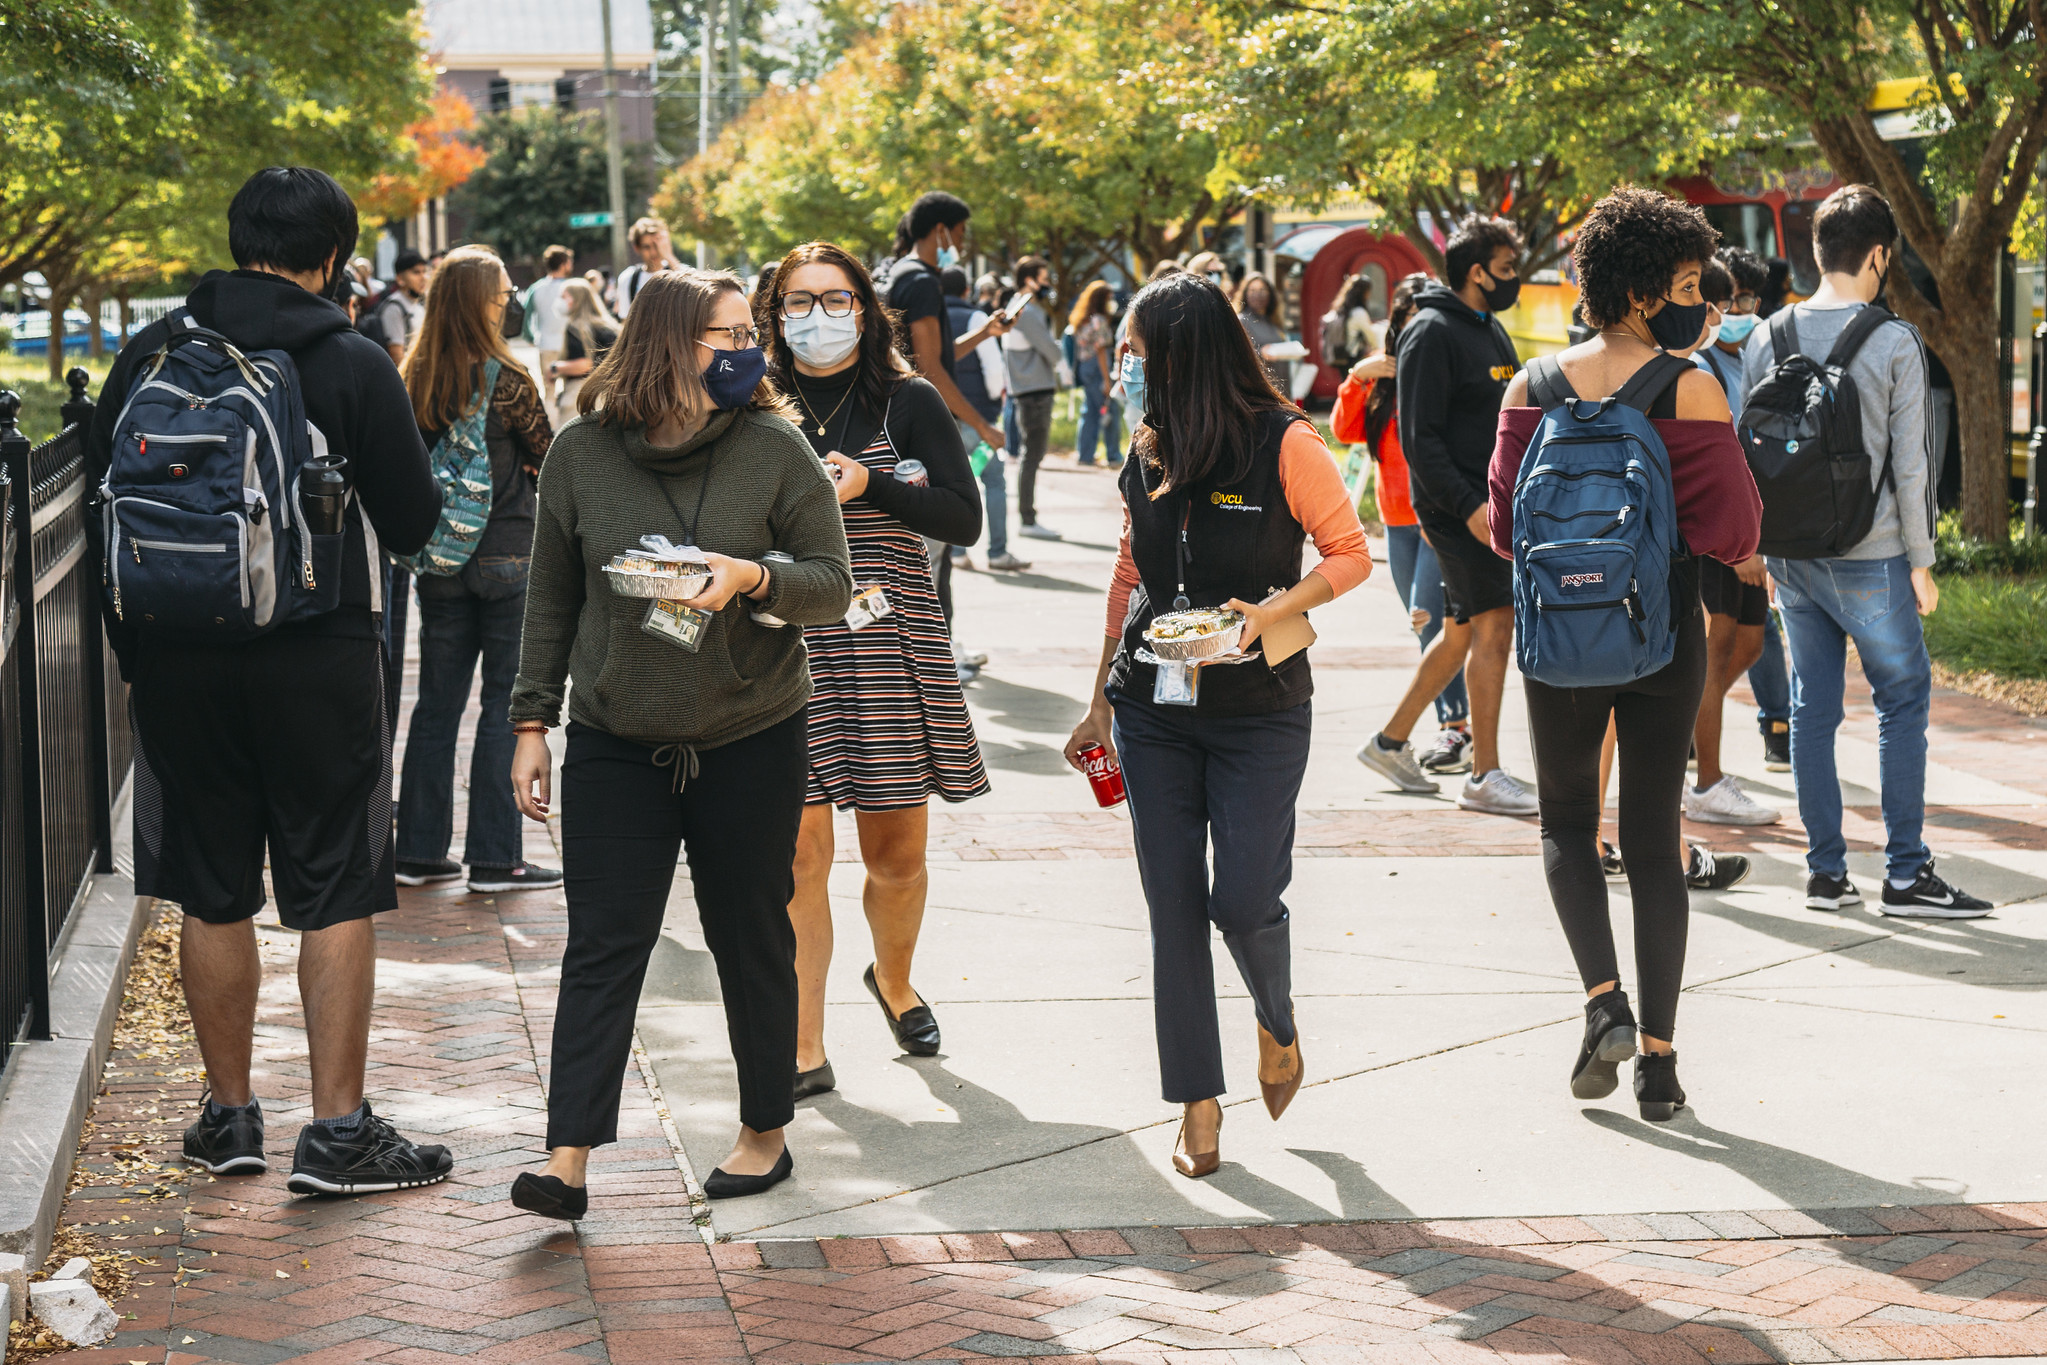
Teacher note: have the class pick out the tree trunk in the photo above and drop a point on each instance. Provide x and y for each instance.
(95, 337)
(55, 350)
(127, 315)
(1983, 422)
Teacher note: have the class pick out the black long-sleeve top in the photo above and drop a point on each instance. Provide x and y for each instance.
(921, 428)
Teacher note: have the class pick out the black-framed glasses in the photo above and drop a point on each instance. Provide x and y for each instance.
(743, 335)
(837, 303)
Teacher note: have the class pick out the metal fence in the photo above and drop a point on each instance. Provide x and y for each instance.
(64, 742)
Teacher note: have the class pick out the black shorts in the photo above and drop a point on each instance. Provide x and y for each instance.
(1475, 580)
(281, 742)
(1724, 594)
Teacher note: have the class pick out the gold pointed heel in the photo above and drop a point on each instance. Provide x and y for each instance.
(1195, 1165)
(1279, 1070)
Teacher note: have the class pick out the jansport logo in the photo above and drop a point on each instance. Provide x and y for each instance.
(1583, 580)
(1232, 502)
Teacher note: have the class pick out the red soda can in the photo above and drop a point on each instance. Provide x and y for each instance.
(1103, 775)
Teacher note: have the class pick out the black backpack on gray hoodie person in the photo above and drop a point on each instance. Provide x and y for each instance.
(1801, 429)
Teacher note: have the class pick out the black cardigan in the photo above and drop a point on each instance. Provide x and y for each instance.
(921, 428)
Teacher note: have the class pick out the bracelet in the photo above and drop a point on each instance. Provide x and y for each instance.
(531, 729)
(760, 582)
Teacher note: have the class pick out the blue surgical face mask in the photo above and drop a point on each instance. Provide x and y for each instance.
(1133, 380)
(820, 339)
(948, 256)
(731, 376)
(1735, 327)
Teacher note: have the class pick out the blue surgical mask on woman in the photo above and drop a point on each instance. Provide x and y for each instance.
(821, 340)
(1735, 327)
(731, 376)
(1133, 380)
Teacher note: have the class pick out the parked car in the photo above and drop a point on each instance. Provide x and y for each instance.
(32, 332)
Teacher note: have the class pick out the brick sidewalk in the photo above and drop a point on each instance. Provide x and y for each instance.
(238, 1271)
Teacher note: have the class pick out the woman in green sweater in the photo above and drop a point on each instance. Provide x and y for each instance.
(682, 730)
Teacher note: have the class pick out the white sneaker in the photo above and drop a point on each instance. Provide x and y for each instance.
(1396, 765)
(1039, 531)
(1009, 562)
(1497, 793)
(970, 658)
(1725, 803)
(960, 560)
(1449, 753)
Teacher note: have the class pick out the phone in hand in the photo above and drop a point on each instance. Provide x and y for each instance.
(1013, 310)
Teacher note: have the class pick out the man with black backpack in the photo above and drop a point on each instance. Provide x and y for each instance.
(252, 452)
(1835, 427)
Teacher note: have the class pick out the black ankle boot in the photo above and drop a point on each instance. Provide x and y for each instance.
(1656, 1087)
(1609, 1041)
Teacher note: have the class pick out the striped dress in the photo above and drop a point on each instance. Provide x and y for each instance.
(888, 722)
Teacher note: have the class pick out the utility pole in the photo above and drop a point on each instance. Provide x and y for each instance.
(704, 63)
(614, 159)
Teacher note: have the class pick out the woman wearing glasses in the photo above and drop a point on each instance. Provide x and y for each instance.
(685, 727)
(888, 723)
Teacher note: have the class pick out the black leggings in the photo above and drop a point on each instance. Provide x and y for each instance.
(622, 819)
(1653, 720)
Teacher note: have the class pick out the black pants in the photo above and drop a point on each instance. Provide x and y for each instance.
(1234, 779)
(1034, 418)
(1653, 719)
(622, 819)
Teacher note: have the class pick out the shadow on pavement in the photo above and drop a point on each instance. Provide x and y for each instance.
(1801, 1181)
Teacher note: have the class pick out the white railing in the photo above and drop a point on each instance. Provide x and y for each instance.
(141, 312)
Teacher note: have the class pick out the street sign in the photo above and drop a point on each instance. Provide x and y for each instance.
(589, 220)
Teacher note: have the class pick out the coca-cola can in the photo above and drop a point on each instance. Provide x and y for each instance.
(1103, 775)
(764, 618)
(912, 472)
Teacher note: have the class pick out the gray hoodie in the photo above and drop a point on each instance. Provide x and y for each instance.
(1890, 380)
(1032, 352)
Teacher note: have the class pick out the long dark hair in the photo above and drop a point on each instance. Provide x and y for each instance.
(1379, 407)
(1205, 390)
(881, 366)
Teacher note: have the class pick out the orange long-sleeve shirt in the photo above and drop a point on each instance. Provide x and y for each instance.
(1314, 494)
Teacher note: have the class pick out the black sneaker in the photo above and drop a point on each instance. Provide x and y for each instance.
(1609, 1041)
(1610, 861)
(524, 877)
(227, 1142)
(1830, 893)
(1931, 898)
(372, 1158)
(425, 874)
(1710, 871)
(1777, 746)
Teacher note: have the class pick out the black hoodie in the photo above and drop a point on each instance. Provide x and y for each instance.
(1452, 370)
(352, 394)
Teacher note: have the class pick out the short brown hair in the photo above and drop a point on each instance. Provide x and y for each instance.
(555, 257)
(443, 366)
(654, 369)
(1030, 267)
(1852, 221)
(646, 227)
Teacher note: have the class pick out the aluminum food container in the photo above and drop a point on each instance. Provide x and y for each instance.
(1197, 647)
(676, 587)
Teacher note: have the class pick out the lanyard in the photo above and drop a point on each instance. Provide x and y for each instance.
(1180, 602)
(689, 528)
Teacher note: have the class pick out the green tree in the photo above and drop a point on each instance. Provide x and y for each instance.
(541, 165)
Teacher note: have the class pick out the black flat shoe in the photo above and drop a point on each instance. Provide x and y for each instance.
(916, 1030)
(1609, 1041)
(549, 1197)
(1656, 1087)
(719, 1185)
(816, 1082)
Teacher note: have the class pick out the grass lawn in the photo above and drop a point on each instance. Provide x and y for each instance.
(1991, 623)
(40, 398)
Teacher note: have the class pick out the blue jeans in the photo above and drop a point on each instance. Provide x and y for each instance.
(1826, 603)
(1100, 420)
(994, 493)
(1418, 578)
(478, 613)
(1769, 679)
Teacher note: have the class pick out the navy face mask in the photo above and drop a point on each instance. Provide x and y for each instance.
(732, 376)
(1677, 325)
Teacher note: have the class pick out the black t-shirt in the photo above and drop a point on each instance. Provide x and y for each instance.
(573, 348)
(914, 291)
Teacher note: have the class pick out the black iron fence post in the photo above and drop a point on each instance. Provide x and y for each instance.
(93, 654)
(14, 454)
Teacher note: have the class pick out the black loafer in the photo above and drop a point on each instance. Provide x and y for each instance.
(549, 1197)
(816, 1082)
(916, 1029)
(719, 1185)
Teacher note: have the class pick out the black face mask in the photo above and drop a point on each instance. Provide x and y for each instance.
(1500, 294)
(514, 320)
(339, 282)
(1677, 325)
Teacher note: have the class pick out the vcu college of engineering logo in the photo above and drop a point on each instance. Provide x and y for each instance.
(1232, 502)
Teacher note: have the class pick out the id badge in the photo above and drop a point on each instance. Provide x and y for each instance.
(1178, 683)
(869, 605)
(681, 626)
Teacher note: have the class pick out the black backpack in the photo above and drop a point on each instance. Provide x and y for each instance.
(1801, 429)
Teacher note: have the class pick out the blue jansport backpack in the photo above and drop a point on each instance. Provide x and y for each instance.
(461, 464)
(203, 531)
(1595, 529)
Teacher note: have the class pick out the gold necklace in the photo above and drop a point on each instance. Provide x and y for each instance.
(812, 412)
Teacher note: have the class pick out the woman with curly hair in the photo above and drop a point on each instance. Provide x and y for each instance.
(1639, 256)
